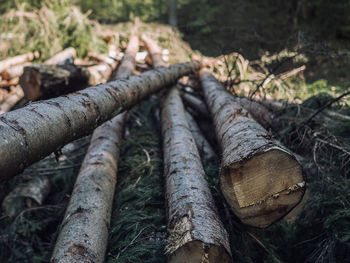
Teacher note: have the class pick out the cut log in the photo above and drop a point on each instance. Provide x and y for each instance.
(8, 83)
(196, 104)
(196, 233)
(14, 71)
(94, 189)
(15, 96)
(261, 180)
(128, 64)
(29, 134)
(41, 81)
(155, 52)
(9, 62)
(84, 229)
(203, 145)
(25, 196)
(102, 72)
(260, 114)
(61, 56)
(99, 73)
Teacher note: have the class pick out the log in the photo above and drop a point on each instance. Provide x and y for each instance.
(27, 195)
(94, 189)
(14, 71)
(261, 180)
(203, 145)
(61, 56)
(128, 64)
(40, 81)
(260, 113)
(196, 233)
(89, 210)
(196, 104)
(101, 72)
(155, 51)
(10, 101)
(29, 134)
(8, 83)
(9, 62)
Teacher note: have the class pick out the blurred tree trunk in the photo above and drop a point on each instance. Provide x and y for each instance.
(172, 13)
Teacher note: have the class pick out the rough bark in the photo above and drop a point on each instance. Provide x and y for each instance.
(61, 56)
(155, 52)
(196, 233)
(260, 179)
(9, 62)
(258, 111)
(34, 131)
(41, 81)
(25, 196)
(14, 71)
(196, 104)
(128, 63)
(15, 96)
(84, 229)
(203, 145)
(94, 189)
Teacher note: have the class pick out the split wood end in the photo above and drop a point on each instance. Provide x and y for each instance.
(264, 188)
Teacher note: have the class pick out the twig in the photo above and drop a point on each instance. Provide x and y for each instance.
(334, 146)
(324, 107)
(280, 63)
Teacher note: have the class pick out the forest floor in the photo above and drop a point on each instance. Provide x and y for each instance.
(319, 233)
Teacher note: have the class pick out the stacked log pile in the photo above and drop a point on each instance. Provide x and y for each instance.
(261, 179)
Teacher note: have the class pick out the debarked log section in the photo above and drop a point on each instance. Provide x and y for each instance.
(89, 211)
(196, 233)
(261, 180)
(33, 132)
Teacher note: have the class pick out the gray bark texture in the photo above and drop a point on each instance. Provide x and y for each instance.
(196, 104)
(40, 81)
(9, 62)
(94, 189)
(29, 134)
(61, 56)
(203, 145)
(84, 229)
(196, 233)
(260, 179)
(260, 114)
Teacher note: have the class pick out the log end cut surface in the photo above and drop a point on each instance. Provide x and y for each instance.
(271, 186)
(197, 252)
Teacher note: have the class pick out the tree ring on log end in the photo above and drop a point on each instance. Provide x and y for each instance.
(263, 188)
(197, 252)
